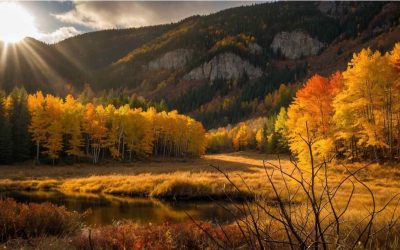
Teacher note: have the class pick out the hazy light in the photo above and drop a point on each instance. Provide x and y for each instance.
(15, 23)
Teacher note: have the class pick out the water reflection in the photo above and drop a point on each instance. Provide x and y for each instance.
(106, 209)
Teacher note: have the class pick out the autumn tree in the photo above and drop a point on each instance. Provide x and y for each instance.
(54, 130)
(138, 134)
(240, 137)
(218, 141)
(364, 110)
(116, 129)
(309, 119)
(280, 129)
(394, 60)
(94, 125)
(71, 120)
(262, 139)
(37, 125)
(196, 141)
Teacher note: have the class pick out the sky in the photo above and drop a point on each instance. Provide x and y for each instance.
(58, 20)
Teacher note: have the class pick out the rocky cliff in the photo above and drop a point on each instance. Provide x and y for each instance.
(224, 66)
(334, 9)
(296, 44)
(175, 59)
(254, 48)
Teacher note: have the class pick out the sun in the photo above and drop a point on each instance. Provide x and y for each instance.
(15, 23)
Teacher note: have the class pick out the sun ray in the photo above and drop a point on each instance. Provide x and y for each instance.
(32, 66)
(39, 63)
(79, 65)
(15, 23)
(3, 57)
(15, 56)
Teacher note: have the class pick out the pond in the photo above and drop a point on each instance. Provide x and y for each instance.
(105, 209)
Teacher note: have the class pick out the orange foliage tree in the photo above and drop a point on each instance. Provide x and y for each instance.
(309, 121)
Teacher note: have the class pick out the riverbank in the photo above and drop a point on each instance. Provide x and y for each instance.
(193, 179)
(46, 226)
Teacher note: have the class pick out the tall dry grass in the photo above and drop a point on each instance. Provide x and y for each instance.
(165, 236)
(33, 220)
(202, 183)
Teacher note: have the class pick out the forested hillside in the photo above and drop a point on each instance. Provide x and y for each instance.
(353, 115)
(221, 68)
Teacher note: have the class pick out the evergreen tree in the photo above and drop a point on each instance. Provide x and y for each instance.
(5, 134)
(19, 118)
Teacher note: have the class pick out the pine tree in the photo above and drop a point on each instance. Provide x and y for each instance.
(5, 133)
(19, 118)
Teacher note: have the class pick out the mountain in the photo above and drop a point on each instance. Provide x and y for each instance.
(99, 49)
(36, 65)
(218, 68)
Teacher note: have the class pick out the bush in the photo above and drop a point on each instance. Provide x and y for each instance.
(31, 220)
(165, 236)
(181, 188)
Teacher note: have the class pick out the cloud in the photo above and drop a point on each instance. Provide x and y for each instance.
(109, 15)
(58, 35)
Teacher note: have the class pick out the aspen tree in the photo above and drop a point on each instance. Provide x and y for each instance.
(53, 144)
(38, 124)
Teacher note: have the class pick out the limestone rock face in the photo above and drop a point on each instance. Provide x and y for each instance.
(224, 66)
(333, 9)
(176, 59)
(255, 48)
(295, 44)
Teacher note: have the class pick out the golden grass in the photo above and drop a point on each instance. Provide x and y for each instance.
(190, 179)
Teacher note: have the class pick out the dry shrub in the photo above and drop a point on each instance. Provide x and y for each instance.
(39, 243)
(165, 236)
(31, 220)
(181, 188)
(179, 185)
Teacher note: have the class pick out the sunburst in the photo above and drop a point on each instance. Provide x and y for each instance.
(15, 23)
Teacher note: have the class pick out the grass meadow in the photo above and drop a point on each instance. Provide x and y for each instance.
(194, 179)
(188, 179)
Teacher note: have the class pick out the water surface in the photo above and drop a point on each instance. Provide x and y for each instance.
(106, 209)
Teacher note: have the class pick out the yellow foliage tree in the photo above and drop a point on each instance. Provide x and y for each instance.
(54, 130)
(240, 137)
(71, 119)
(94, 125)
(364, 109)
(138, 134)
(37, 126)
(110, 131)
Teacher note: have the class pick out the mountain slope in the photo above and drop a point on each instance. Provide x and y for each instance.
(36, 65)
(218, 68)
(99, 49)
